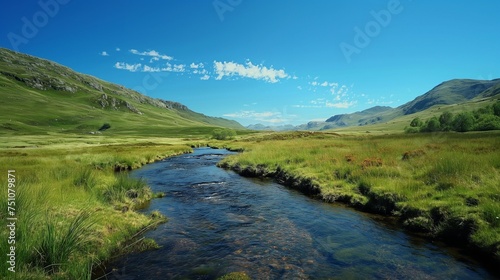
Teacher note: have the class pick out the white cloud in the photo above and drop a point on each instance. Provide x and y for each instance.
(129, 67)
(104, 53)
(307, 106)
(147, 68)
(252, 114)
(118, 49)
(295, 77)
(342, 91)
(196, 66)
(174, 68)
(333, 86)
(206, 77)
(299, 87)
(248, 70)
(326, 103)
(343, 104)
(152, 53)
(138, 67)
(179, 68)
(269, 117)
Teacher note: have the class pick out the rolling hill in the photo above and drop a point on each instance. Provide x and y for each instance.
(40, 96)
(464, 92)
(447, 93)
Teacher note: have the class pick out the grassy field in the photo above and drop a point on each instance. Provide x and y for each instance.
(445, 185)
(73, 210)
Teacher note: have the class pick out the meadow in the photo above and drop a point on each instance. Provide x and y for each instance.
(443, 185)
(74, 210)
(75, 204)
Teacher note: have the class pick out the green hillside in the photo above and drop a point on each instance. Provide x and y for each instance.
(451, 92)
(357, 118)
(40, 96)
(455, 95)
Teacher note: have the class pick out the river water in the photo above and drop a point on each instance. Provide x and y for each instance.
(220, 222)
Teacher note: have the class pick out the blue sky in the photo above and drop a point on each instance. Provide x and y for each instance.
(264, 61)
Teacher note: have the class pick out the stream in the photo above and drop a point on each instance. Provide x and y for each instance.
(220, 222)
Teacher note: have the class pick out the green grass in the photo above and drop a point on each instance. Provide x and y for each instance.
(73, 211)
(235, 276)
(447, 186)
(28, 110)
(125, 189)
(57, 244)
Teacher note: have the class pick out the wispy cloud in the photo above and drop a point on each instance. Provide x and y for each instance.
(248, 70)
(129, 67)
(104, 53)
(205, 77)
(340, 105)
(196, 65)
(118, 49)
(174, 68)
(266, 117)
(327, 104)
(147, 68)
(152, 53)
(333, 96)
(138, 67)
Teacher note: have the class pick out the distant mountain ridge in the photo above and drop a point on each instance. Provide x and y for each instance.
(447, 93)
(450, 92)
(46, 91)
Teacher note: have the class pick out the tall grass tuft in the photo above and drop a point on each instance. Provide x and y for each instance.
(450, 167)
(57, 244)
(491, 213)
(125, 188)
(85, 178)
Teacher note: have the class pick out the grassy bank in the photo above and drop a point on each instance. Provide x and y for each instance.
(73, 209)
(445, 185)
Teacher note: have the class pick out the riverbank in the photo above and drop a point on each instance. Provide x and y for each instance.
(444, 186)
(220, 223)
(74, 208)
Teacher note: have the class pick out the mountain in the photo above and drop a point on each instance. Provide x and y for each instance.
(450, 92)
(447, 93)
(260, 126)
(357, 117)
(456, 91)
(41, 96)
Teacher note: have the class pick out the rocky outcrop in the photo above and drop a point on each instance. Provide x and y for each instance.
(174, 105)
(113, 103)
(42, 82)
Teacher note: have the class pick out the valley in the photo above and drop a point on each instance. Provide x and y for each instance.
(72, 140)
